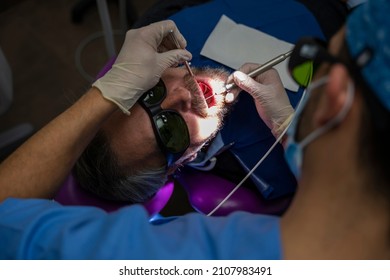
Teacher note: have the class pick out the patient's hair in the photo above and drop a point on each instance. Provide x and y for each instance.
(374, 131)
(98, 171)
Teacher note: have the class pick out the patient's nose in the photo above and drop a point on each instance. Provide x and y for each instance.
(178, 99)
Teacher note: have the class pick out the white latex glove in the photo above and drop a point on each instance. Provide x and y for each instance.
(144, 56)
(270, 97)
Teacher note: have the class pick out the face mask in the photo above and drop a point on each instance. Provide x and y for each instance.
(294, 150)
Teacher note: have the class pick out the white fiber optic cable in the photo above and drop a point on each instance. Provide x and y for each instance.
(258, 163)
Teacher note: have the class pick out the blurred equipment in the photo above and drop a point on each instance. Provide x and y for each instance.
(127, 16)
(13, 137)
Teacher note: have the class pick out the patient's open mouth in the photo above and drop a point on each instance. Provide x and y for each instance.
(207, 93)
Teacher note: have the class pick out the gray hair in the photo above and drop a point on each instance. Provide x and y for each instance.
(98, 171)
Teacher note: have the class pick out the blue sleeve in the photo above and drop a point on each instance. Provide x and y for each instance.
(43, 229)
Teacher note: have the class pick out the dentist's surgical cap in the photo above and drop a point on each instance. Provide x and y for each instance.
(368, 27)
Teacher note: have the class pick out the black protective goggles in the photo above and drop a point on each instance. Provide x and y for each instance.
(169, 127)
(306, 57)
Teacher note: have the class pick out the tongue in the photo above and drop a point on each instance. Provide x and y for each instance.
(208, 94)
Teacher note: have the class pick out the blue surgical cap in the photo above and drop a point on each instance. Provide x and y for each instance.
(368, 28)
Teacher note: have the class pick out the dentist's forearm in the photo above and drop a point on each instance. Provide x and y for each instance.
(40, 165)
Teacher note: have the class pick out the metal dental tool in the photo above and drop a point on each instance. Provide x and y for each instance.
(173, 38)
(264, 67)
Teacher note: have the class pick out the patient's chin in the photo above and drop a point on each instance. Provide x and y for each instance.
(181, 162)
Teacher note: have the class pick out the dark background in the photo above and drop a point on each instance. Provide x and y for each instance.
(39, 39)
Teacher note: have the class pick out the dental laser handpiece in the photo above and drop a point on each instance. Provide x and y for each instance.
(261, 69)
(173, 38)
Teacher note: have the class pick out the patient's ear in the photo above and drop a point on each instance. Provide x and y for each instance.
(334, 95)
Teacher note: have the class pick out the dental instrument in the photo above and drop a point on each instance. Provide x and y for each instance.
(173, 38)
(262, 68)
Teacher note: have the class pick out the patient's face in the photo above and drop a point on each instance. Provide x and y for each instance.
(132, 138)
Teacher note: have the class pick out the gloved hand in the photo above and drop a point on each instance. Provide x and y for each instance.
(144, 56)
(271, 99)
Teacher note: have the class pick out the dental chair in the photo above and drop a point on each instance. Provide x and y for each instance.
(205, 192)
(71, 193)
(270, 188)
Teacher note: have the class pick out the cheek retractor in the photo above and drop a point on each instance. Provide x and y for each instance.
(208, 94)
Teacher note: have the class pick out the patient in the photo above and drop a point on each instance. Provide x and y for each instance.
(125, 162)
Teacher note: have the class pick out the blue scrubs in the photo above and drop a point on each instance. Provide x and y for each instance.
(44, 229)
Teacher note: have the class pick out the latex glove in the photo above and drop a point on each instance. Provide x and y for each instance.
(146, 53)
(270, 97)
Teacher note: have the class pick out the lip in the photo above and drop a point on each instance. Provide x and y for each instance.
(208, 93)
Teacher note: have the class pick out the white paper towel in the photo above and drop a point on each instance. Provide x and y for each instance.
(234, 44)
